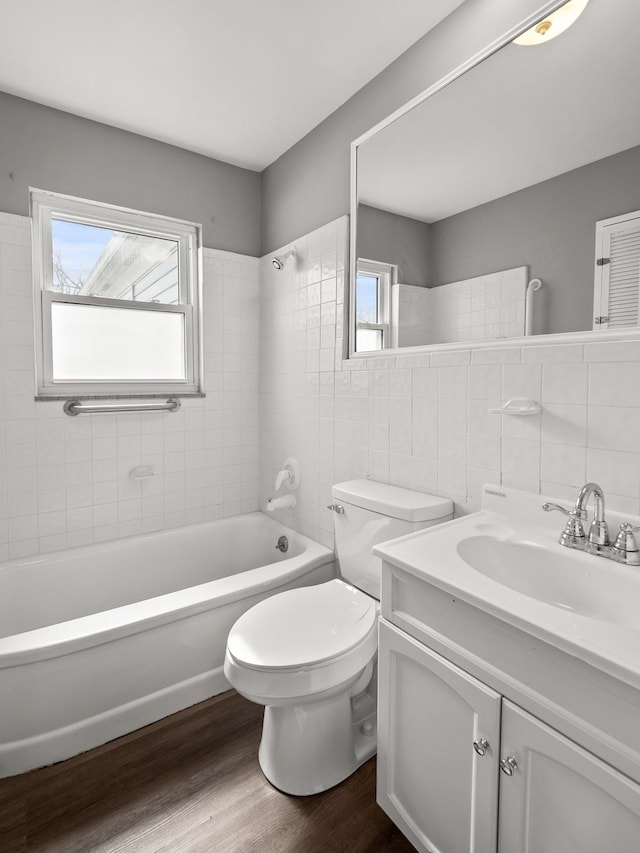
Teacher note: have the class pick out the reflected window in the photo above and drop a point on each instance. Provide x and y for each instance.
(117, 297)
(372, 305)
(616, 299)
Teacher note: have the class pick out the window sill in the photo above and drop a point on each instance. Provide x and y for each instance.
(63, 397)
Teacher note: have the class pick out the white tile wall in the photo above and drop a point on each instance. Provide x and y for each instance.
(301, 395)
(421, 420)
(588, 428)
(65, 481)
(482, 308)
(411, 315)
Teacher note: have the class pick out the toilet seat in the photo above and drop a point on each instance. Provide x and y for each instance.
(301, 642)
(302, 627)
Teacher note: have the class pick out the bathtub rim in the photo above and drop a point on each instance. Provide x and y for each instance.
(73, 635)
(166, 533)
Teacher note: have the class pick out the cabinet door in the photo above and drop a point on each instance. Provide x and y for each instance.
(560, 798)
(431, 781)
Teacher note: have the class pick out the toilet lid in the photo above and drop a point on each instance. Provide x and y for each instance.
(302, 627)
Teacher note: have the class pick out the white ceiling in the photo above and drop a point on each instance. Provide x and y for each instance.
(525, 115)
(239, 80)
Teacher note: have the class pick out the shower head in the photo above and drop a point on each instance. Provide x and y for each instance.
(280, 260)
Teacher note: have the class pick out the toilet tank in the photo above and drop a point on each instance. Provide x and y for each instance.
(373, 513)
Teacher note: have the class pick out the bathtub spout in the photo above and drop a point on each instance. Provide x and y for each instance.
(284, 502)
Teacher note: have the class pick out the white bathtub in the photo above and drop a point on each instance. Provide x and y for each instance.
(98, 641)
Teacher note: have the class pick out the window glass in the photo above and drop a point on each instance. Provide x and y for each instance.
(88, 260)
(367, 298)
(99, 342)
(368, 340)
(372, 305)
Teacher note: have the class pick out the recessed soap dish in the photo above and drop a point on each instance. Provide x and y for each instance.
(518, 406)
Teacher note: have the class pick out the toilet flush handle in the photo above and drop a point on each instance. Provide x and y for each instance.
(336, 508)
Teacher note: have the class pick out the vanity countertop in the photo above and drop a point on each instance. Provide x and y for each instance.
(506, 561)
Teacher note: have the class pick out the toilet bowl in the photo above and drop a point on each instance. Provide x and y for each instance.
(309, 655)
(301, 653)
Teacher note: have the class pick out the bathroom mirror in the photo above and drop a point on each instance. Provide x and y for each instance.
(492, 180)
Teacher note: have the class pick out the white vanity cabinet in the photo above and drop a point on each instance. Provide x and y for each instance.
(455, 683)
(432, 717)
(560, 797)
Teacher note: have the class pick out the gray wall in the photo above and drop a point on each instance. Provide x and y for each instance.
(309, 184)
(393, 239)
(302, 190)
(57, 151)
(551, 228)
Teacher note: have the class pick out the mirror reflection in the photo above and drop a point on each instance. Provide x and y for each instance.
(508, 203)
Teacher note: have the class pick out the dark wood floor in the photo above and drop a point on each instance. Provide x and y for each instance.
(188, 784)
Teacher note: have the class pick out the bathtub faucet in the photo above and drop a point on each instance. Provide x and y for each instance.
(283, 477)
(289, 474)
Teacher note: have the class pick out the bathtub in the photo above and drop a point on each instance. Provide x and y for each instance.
(100, 640)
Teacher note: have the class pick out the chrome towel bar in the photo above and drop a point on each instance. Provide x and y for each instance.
(76, 407)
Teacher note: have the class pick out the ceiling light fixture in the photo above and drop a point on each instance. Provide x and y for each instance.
(554, 24)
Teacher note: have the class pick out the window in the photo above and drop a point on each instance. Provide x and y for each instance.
(616, 300)
(117, 300)
(372, 305)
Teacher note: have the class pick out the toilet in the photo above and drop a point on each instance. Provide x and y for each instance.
(309, 655)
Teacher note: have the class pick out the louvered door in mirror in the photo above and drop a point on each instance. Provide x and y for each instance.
(616, 300)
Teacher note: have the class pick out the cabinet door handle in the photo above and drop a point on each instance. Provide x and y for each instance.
(508, 765)
(481, 746)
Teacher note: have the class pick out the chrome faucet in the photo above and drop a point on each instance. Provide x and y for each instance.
(573, 535)
(624, 549)
(598, 539)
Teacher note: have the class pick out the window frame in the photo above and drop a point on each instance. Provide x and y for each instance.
(46, 206)
(387, 275)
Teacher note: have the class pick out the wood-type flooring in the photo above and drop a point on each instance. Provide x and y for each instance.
(188, 784)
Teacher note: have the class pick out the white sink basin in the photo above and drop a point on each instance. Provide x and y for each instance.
(567, 579)
(506, 561)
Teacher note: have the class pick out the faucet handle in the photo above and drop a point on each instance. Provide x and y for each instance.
(625, 527)
(573, 535)
(283, 477)
(576, 514)
(625, 548)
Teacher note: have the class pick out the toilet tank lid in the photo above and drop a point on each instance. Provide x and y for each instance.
(393, 501)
